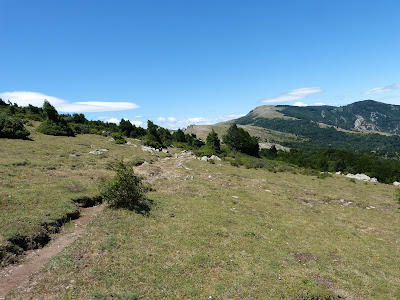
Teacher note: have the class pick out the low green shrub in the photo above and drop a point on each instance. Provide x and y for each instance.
(59, 128)
(118, 138)
(148, 142)
(125, 189)
(12, 128)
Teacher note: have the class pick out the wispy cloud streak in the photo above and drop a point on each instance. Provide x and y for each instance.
(294, 95)
(25, 98)
(387, 88)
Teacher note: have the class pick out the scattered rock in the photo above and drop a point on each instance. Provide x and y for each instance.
(269, 146)
(362, 177)
(183, 167)
(148, 149)
(98, 151)
(131, 144)
(145, 163)
(214, 157)
(396, 183)
(235, 197)
(111, 140)
(204, 158)
(186, 152)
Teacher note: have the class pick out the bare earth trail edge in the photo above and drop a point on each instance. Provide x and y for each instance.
(20, 275)
(23, 274)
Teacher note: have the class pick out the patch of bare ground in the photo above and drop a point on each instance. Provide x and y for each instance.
(23, 275)
(329, 284)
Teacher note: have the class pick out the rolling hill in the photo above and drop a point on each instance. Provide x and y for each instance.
(361, 126)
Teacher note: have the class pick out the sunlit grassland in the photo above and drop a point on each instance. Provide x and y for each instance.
(39, 179)
(236, 233)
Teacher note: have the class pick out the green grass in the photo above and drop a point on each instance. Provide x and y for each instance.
(234, 233)
(40, 179)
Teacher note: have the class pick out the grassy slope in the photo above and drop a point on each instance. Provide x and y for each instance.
(39, 179)
(234, 233)
(265, 134)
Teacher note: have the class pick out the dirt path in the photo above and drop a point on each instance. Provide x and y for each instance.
(14, 276)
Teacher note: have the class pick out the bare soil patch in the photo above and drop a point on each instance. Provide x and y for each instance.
(22, 275)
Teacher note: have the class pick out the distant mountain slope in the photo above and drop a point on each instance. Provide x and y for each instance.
(368, 115)
(308, 123)
(263, 134)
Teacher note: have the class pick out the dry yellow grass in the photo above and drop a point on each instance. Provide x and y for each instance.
(222, 232)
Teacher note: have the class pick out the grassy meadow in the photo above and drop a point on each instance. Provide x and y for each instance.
(39, 179)
(214, 232)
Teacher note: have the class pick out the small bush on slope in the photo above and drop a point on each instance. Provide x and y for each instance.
(12, 128)
(54, 123)
(125, 189)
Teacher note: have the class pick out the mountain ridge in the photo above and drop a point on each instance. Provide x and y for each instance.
(360, 116)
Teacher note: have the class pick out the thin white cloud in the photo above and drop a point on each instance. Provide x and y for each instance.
(299, 104)
(294, 95)
(304, 104)
(137, 123)
(171, 119)
(112, 120)
(25, 98)
(387, 88)
(160, 119)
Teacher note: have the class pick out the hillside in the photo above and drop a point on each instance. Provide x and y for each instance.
(365, 115)
(263, 134)
(365, 125)
(214, 231)
(271, 225)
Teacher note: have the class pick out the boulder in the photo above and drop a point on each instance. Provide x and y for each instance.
(214, 157)
(205, 158)
(96, 152)
(185, 152)
(148, 149)
(183, 167)
(396, 183)
(362, 177)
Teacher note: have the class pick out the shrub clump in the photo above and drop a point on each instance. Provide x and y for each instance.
(12, 128)
(240, 140)
(54, 124)
(125, 189)
(118, 138)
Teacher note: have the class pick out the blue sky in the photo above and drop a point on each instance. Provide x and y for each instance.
(197, 62)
